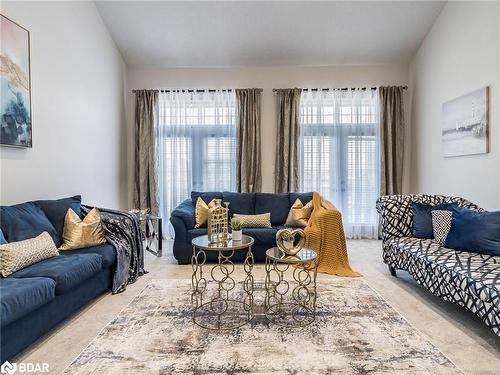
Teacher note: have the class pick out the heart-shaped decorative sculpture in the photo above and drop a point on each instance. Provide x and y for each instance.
(288, 235)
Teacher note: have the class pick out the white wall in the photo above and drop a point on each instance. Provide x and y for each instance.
(78, 78)
(460, 54)
(263, 77)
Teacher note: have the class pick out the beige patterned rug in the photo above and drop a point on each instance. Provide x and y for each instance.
(355, 332)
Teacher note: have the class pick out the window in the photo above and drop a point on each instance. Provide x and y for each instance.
(339, 154)
(197, 132)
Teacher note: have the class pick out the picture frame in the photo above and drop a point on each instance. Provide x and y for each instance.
(16, 122)
(465, 128)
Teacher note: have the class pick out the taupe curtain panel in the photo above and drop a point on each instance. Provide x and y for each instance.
(287, 160)
(392, 138)
(248, 152)
(146, 164)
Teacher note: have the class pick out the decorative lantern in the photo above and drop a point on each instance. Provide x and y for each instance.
(218, 222)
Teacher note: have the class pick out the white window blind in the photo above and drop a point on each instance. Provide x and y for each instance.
(339, 154)
(197, 147)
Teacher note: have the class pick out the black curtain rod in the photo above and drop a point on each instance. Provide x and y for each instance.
(341, 89)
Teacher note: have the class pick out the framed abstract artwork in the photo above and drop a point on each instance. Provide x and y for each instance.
(15, 85)
(465, 124)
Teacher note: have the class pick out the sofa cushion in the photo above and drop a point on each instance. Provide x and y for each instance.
(106, 251)
(56, 210)
(207, 196)
(474, 273)
(66, 270)
(304, 198)
(277, 204)
(262, 236)
(474, 231)
(22, 296)
(193, 233)
(22, 221)
(240, 203)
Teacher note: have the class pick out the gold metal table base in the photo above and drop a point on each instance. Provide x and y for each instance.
(224, 308)
(290, 307)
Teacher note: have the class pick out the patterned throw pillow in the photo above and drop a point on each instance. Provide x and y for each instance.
(299, 214)
(17, 255)
(441, 224)
(80, 233)
(254, 221)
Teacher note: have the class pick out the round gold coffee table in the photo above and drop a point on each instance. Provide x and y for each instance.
(286, 306)
(217, 303)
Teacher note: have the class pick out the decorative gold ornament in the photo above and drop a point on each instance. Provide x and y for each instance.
(285, 239)
(218, 222)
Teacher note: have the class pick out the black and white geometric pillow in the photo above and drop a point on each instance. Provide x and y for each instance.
(441, 224)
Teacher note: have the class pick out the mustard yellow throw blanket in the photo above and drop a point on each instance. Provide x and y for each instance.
(325, 235)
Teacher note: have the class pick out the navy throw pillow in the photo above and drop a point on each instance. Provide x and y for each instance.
(23, 221)
(275, 203)
(56, 210)
(422, 218)
(304, 198)
(474, 231)
(206, 196)
(239, 203)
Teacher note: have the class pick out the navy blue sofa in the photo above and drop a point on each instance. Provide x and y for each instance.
(36, 298)
(278, 204)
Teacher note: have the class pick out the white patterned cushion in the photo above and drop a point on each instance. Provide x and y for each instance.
(254, 221)
(17, 255)
(441, 224)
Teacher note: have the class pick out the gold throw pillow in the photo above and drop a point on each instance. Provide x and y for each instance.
(86, 233)
(254, 221)
(299, 214)
(201, 212)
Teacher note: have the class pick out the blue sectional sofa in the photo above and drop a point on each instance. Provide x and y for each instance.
(36, 298)
(278, 204)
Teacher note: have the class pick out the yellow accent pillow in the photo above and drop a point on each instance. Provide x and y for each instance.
(254, 221)
(299, 214)
(201, 212)
(86, 233)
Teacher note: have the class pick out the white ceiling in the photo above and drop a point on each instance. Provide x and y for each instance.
(209, 34)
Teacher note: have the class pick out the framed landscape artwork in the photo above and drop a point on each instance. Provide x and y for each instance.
(465, 124)
(15, 85)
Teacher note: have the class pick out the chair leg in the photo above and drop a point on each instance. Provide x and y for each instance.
(393, 271)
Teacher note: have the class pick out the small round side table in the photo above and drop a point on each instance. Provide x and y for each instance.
(286, 306)
(222, 307)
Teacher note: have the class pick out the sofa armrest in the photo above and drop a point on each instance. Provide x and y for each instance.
(396, 216)
(186, 212)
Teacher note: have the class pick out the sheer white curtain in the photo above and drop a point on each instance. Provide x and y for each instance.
(339, 153)
(197, 144)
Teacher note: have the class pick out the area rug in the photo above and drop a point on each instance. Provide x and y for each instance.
(355, 332)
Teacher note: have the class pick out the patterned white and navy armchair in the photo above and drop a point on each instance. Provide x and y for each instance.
(470, 280)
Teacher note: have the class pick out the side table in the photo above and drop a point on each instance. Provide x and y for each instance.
(217, 303)
(151, 228)
(286, 306)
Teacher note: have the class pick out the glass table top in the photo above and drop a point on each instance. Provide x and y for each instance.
(202, 243)
(305, 255)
